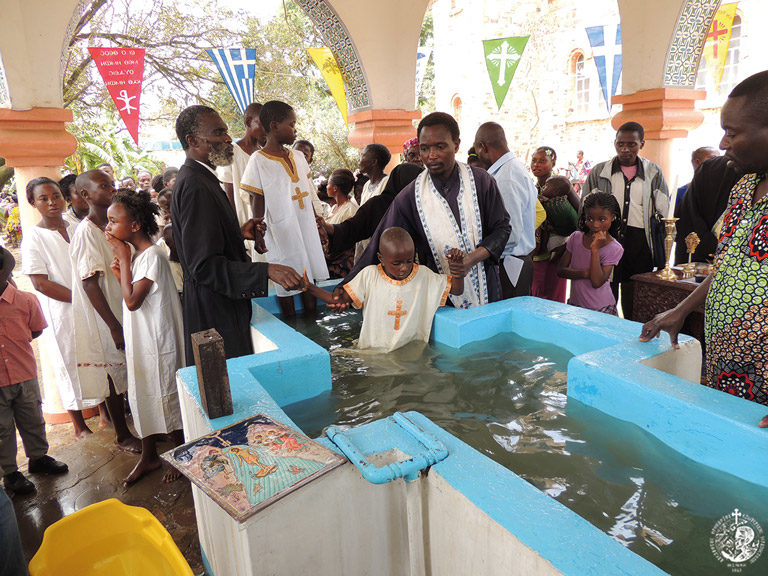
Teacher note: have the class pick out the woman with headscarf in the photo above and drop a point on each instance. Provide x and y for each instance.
(411, 152)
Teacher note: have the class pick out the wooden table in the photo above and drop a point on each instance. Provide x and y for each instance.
(654, 295)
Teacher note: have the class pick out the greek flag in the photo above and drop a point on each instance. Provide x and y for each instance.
(238, 68)
(606, 51)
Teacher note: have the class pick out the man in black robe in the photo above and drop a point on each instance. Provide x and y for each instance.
(704, 202)
(360, 226)
(219, 278)
(438, 143)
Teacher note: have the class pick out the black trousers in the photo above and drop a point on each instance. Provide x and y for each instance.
(524, 281)
(636, 260)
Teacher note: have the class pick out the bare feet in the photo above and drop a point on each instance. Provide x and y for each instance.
(764, 422)
(142, 469)
(81, 434)
(104, 419)
(130, 444)
(171, 475)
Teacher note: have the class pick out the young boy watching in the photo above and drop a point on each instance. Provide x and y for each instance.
(21, 320)
(97, 302)
(399, 298)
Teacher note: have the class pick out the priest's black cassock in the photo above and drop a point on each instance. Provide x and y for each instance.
(219, 278)
(367, 218)
(403, 213)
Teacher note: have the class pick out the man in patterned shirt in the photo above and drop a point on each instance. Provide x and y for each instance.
(735, 294)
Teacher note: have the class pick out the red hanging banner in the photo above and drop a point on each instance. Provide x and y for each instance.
(122, 70)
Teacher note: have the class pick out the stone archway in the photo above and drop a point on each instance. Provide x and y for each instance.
(687, 43)
(337, 38)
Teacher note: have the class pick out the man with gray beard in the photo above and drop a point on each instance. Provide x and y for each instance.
(219, 278)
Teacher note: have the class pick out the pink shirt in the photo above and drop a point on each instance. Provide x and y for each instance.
(20, 315)
(583, 294)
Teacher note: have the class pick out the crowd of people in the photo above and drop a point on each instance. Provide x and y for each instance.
(126, 271)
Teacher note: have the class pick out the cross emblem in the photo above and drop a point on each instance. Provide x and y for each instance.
(715, 34)
(127, 106)
(239, 58)
(397, 312)
(611, 47)
(300, 197)
(503, 58)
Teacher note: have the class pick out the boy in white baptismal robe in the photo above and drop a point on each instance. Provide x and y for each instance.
(399, 298)
(278, 180)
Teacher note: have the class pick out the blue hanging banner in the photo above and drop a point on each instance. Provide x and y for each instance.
(606, 52)
(237, 67)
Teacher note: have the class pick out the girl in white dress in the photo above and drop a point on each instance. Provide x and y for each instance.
(45, 259)
(154, 342)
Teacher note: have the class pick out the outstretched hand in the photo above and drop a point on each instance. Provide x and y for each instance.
(341, 300)
(286, 276)
(670, 321)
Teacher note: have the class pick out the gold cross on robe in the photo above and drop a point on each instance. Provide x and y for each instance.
(397, 312)
(300, 197)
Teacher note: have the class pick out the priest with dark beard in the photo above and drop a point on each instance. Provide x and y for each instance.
(219, 277)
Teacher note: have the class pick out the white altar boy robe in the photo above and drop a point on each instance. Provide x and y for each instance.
(292, 238)
(396, 312)
(46, 252)
(97, 355)
(154, 347)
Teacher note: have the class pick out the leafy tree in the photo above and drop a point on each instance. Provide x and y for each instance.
(6, 173)
(107, 142)
(286, 72)
(426, 96)
(174, 39)
(179, 72)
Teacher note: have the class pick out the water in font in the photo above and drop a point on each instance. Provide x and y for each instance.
(506, 397)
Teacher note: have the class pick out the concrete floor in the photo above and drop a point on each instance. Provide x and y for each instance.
(96, 471)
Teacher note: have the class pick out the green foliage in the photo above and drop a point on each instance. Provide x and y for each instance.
(179, 73)
(286, 72)
(6, 173)
(105, 141)
(426, 96)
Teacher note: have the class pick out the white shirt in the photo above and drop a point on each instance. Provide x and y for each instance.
(519, 195)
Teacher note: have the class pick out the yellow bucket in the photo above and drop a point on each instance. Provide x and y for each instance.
(111, 539)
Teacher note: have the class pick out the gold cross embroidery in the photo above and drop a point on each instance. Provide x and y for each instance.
(300, 197)
(397, 312)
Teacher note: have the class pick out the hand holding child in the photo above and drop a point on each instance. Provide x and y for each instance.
(456, 263)
(341, 300)
(254, 230)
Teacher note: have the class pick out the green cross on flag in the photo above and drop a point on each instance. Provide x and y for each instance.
(501, 58)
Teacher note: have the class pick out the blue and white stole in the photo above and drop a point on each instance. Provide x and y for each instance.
(443, 233)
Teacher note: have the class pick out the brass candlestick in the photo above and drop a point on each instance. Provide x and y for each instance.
(691, 242)
(669, 225)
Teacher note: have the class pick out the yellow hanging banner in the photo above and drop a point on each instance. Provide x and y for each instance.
(324, 59)
(718, 40)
